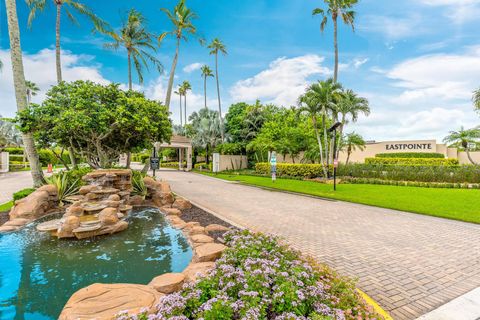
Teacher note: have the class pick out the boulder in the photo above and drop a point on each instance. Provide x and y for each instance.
(168, 283)
(170, 211)
(201, 239)
(165, 187)
(105, 301)
(19, 222)
(66, 227)
(179, 224)
(208, 252)
(136, 200)
(111, 203)
(215, 227)
(114, 197)
(196, 230)
(86, 189)
(5, 228)
(162, 199)
(74, 210)
(32, 207)
(51, 189)
(196, 270)
(91, 196)
(182, 204)
(117, 227)
(108, 216)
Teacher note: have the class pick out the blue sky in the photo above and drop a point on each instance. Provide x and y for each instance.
(417, 61)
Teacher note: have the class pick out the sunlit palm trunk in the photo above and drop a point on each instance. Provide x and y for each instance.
(205, 90)
(21, 88)
(181, 120)
(319, 140)
(219, 100)
(57, 43)
(172, 75)
(185, 108)
(335, 44)
(470, 156)
(129, 71)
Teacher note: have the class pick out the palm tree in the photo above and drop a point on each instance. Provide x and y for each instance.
(206, 72)
(336, 8)
(181, 18)
(350, 105)
(180, 94)
(186, 86)
(476, 99)
(216, 46)
(351, 142)
(69, 6)
(206, 130)
(32, 90)
(21, 88)
(464, 138)
(134, 37)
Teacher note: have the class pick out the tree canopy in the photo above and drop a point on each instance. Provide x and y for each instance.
(98, 121)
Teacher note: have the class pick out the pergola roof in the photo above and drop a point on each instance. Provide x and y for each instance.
(176, 142)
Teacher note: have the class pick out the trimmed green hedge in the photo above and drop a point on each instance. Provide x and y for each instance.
(292, 169)
(22, 193)
(453, 174)
(449, 185)
(13, 150)
(410, 155)
(203, 166)
(413, 161)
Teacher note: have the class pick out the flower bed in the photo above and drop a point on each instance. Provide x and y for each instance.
(257, 278)
(412, 161)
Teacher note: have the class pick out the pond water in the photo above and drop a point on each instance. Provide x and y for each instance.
(39, 273)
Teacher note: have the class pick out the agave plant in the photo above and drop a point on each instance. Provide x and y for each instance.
(138, 184)
(66, 187)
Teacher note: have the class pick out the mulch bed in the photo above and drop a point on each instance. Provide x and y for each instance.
(4, 217)
(204, 218)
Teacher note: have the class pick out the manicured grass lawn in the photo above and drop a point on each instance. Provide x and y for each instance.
(6, 206)
(458, 204)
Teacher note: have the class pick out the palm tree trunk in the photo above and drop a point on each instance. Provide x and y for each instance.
(21, 89)
(185, 108)
(325, 136)
(205, 89)
(470, 156)
(172, 75)
(129, 71)
(348, 157)
(219, 100)
(340, 138)
(319, 140)
(335, 44)
(181, 119)
(57, 44)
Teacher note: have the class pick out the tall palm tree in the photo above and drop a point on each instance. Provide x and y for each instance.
(464, 138)
(351, 142)
(181, 17)
(136, 40)
(216, 47)
(69, 6)
(186, 86)
(350, 105)
(476, 99)
(32, 90)
(206, 72)
(180, 94)
(206, 130)
(21, 88)
(335, 9)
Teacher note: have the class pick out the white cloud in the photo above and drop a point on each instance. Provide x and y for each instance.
(283, 82)
(355, 64)
(40, 69)
(393, 28)
(459, 11)
(192, 67)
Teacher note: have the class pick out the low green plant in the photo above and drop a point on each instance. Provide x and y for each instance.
(22, 193)
(421, 184)
(202, 166)
(65, 184)
(6, 206)
(413, 161)
(138, 184)
(229, 148)
(292, 170)
(410, 155)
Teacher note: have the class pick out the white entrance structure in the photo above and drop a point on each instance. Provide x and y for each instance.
(184, 146)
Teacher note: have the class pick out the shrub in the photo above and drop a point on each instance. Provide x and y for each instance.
(421, 184)
(453, 174)
(65, 184)
(203, 166)
(22, 193)
(413, 161)
(77, 174)
(13, 150)
(15, 158)
(138, 184)
(292, 170)
(410, 155)
(229, 148)
(257, 278)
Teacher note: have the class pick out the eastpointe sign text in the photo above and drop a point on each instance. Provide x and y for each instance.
(409, 146)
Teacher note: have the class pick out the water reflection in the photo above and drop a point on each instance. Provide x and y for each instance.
(38, 273)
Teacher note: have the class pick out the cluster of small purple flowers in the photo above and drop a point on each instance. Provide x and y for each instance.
(257, 278)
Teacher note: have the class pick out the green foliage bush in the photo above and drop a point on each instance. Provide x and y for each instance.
(77, 174)
(203, 166)
(15, 158)
(22, 193)
(292, 170)
(413, 161)
(13, 150)
(229, 148)
(410, 155)
(258, 278)
(449, 185)
(452, 174)
(139, 187)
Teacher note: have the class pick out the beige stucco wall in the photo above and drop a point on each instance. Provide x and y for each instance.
(463, 158)
(229, 162)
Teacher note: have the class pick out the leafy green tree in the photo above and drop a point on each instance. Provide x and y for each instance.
(350, 106)
(351, 142)
(186, 86)
(335, 9)
(136, 40)
(181, 17)
(69, 7)
(464, 138)
(21, 88)
(100, 122)
(206, 72)
(216, 47)
(206, 133)
(476, 99)
(9, 134)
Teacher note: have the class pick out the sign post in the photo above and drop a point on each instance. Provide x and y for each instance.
(273, 163)
(216, 163)
(154, 161)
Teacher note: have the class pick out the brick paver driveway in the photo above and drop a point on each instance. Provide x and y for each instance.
(409, 263)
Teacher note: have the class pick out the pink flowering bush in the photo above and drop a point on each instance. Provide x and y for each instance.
(257, 278)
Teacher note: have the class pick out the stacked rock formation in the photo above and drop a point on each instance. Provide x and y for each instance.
(98, 210)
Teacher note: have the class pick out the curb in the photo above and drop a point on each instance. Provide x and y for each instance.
(375, 305)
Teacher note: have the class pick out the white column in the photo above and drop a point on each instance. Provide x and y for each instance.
(180, 158)
(189, 158)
